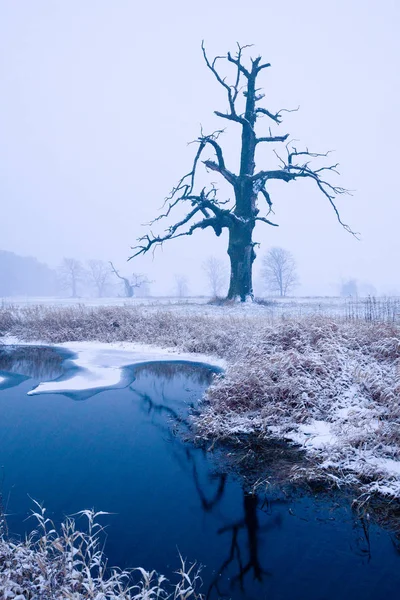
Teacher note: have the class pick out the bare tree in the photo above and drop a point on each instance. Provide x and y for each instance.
(99, 272)
(71, 272)
(144, 290)
(136, 281)
(349, 287)
(240, 214)
(181, 286)
(216, 274)
(365, 288)
(279, 271)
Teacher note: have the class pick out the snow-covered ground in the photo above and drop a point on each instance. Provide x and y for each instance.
(101, 365)
(329, 384)
(89, 301)
(272, 306)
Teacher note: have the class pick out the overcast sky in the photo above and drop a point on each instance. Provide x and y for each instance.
(99, 99)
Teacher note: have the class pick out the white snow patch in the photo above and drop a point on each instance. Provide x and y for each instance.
(386, 465)
(314, 435)
(102, 364)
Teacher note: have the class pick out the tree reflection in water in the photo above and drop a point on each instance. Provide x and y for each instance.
(37, 362)
(159, 387)
(243, 548)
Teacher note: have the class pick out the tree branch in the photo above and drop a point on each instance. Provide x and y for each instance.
(231, 117)
(264, 220)
(220, 80)
(232, 90)
(201, 203)
(277, 117)
(154, 241)
(230, 177)
(244, 211)
(268, 199)
(291, 171)
(114, 270)
(237, 62)
(273, 138)
(184, 189)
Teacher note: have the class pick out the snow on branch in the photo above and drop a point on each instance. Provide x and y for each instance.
(292, 170)
(243, 202)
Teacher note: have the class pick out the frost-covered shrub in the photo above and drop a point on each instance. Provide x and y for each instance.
(332, 387)
(331, 384)
(69, 564)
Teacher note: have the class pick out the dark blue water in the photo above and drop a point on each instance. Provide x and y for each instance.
(122, 451)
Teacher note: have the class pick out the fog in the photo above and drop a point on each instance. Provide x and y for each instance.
(100, 98)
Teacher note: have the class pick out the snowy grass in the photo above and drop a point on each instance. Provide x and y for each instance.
(359, 308)
(69, 564)
(333, 387)
(328, 384)
(208, 333)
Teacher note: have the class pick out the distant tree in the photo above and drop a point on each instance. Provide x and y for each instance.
(99, 272)
(181, 286)
(71, 273)
(349, 287)
(250, 201)
(367, 289)
(279, 271)
(143, 291)
(216, 273)
(136, 281)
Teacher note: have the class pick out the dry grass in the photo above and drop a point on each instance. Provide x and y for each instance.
(330, 384)
(287, 378)
(69, 564)
(205, 334)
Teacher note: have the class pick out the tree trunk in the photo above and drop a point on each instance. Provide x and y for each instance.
(241, 254)
(128, 288)
(241, 246)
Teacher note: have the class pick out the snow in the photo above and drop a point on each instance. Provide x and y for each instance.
(336, 394)
(2, 379)
(101, 364)
(290, 306)
(319, 437)
(313, 435)
(388, 465)
(56, 301)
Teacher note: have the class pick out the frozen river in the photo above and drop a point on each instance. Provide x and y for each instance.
(122, 449)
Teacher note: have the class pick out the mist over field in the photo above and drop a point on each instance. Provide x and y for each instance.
(199, 300)
(100, 100)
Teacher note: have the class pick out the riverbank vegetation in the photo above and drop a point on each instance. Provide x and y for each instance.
(331, 385)
(69, 563)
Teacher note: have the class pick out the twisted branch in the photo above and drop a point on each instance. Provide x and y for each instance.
(206, 203)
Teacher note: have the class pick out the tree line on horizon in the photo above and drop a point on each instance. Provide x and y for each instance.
(26, 276)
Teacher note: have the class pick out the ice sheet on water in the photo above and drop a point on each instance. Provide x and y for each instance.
(100, 365)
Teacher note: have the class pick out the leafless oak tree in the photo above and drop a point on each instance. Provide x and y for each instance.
(136, 281)
(349, 287)
(99, 272)
(240, 214)
(279, 271)
(216, 275)
(181, 286)
(71, 273)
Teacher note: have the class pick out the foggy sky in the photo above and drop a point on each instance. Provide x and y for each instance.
(99, 99)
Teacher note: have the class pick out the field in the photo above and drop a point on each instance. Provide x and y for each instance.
(320, 374)
(382, 308)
